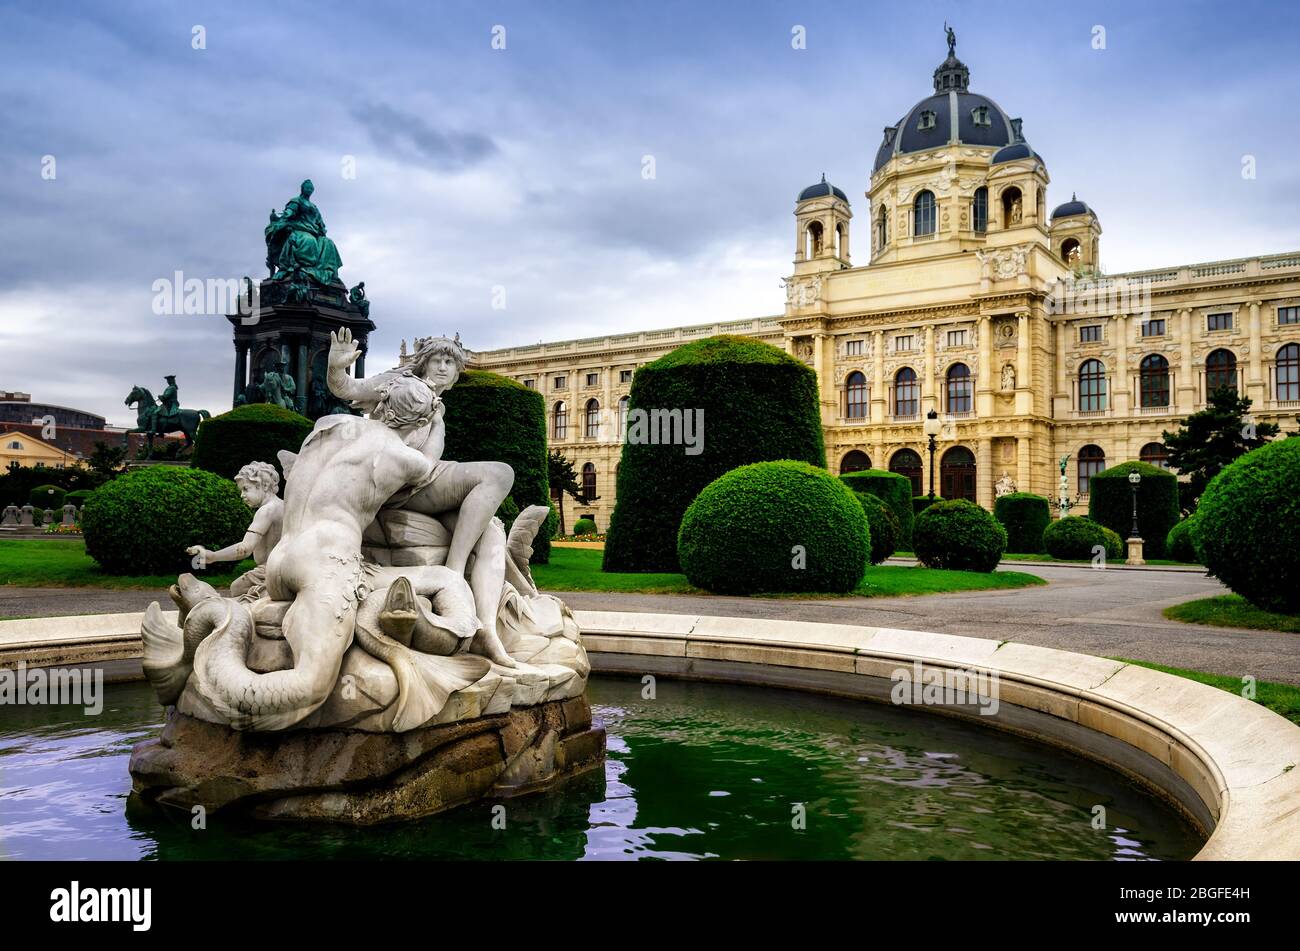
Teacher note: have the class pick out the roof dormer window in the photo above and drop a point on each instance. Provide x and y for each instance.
(926, 120)
(980, 115)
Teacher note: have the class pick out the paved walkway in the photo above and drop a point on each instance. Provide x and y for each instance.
(1110, 613)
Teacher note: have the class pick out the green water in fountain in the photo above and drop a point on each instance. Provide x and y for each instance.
(702, 771)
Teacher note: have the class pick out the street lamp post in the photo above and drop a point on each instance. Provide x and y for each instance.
(1135, 542)
(932, 427)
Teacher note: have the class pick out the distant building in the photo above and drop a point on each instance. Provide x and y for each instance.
(55, 436)
(23, 449)
(18, 408)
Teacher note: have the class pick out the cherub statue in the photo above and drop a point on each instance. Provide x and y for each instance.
(259, 486)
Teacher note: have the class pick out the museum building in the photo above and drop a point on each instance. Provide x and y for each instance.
(978, 303)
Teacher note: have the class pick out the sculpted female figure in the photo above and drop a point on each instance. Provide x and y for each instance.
(296, 241)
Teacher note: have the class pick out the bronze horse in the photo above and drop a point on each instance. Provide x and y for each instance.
(146, 417)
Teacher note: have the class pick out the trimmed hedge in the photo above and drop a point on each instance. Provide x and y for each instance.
(958, 534)
(253, 433)
(1246, 526)
(891, 488)
(1110, 502)
(1180, 544)
(1075, 537)
(48, 497)
(1024, 516)
(77, 497)
(883, 524)
(757, 402)
(142, 522)
(922, 502)
(492, 418)
(584, 526)
(743, 532)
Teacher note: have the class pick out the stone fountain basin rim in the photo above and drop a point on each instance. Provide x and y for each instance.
(1231, 765)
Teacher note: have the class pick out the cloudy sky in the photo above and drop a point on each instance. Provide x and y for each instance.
(478, 168)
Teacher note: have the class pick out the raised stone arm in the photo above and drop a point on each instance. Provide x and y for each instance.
(344, 353)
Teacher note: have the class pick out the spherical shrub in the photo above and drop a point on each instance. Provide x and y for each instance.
(883, 525)
(1076, 538)
(1180, 543)
(1246, 526)
(748, 402)
(1110, 502)
(48, 497)
(492, 418)
(584, 526)
(958, 534)
(142, 522)
(891, 488)
(1024, 516)
(253, 433)
(774, 526)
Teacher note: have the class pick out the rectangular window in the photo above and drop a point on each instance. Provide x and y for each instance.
(1288, 315)
(560, 382)
(1218, 321)
(903, 343)
(625, 376)
(1090, 333)
(956, 338)
(592, 378)
(853, 348)
(531, 384)
(1153, 328)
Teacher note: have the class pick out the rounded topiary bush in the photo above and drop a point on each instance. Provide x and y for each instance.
(883, 525)
(958, 534)
(747, 402)
(1076, 538)
(1246, 526)
(492, 418)
(48, 497)
(891, 488)
(922, 502)
(774, 526)
(584, 526)
(77, 497)
(1110, 502)
(254, 433)
(1024, 516)
(1180, 543)
(142, 522)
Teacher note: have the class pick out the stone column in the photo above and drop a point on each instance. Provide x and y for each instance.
(929, 395)
(1255, 380)
(986, 377)
(1061, 403)
(302, 376)
(241, 370)
(608, 411)
(1185, 404)
(359, 368)
(1023, 470)
(984, 473)
(1121, 395)
(879, 385)
(1024, 385)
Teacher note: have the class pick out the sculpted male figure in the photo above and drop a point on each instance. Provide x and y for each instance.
(464, 496)
(259, 485)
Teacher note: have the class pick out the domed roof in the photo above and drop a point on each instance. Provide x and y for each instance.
(821, 190)
(953, 115)
(1016, 150)
(1072, 207)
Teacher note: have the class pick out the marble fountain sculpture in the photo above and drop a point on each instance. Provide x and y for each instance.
(390, 657)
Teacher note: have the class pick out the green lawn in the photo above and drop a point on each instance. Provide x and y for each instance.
(63, 562)
(578, 569)
(1282, 699)
(1232, 610)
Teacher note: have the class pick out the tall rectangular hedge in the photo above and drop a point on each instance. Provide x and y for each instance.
(891, 488)
(1024, 516)
(1110, 502)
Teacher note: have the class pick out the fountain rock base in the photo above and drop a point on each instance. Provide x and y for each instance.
(359, 778)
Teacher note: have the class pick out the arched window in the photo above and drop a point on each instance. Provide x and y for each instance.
(814, 240)
(907, 462)
(622, 417)
(907, 394)
(1220, 370)
(980, 210)
(839, 240)
(589, 482)
(1153, 380)
(882, 228)
(1155, 454)
(1092, 386)
(560, 426)
(923, 214)
(1288, 372)
(1070, 251)
(957, 474)
(855, 396)
(959, 389)
(1012, 207)
(1091, 461)
(855, 461)
(591, 429)
(15, 445)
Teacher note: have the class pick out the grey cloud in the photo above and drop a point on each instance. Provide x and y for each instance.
(409, 135)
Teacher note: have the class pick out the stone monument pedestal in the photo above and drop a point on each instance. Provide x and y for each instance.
(360, 778)
(1135, 552)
